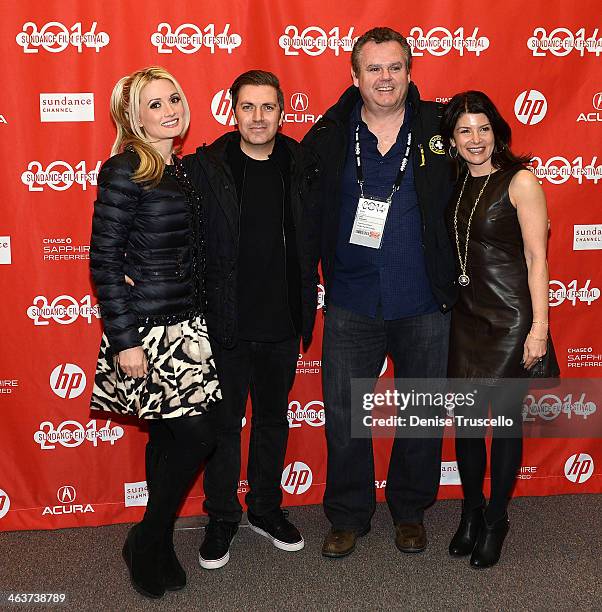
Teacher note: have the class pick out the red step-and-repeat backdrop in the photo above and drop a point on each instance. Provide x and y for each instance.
(62, 466)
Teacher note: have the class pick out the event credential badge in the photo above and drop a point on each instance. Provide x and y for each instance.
(369, 223)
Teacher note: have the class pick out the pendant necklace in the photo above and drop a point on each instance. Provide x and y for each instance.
(464, 279)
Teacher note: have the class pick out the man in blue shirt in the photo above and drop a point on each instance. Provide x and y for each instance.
(389, 279)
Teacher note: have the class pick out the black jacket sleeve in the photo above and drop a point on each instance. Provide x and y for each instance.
(114, 212)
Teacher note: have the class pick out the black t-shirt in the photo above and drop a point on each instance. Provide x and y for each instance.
(263, 311)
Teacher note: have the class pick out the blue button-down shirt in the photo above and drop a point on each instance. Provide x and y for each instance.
(390, 281)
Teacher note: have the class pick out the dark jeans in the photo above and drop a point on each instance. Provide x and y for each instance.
(267, 369)
(355, 346)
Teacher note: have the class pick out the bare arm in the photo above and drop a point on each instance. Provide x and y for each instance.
(528, 198)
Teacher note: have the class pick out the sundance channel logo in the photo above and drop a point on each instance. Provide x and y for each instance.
(585, 237)
(66, 107)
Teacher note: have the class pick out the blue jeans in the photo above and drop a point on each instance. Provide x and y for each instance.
(355, 346)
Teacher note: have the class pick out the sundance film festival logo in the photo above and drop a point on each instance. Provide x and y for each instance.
(59, 175)
(299, 106)
(530, 107)
(549, 407)
(64, 310)
(221, 108)
(312, 414)
(68, 380)
(4, 503)
(562, 41)
(66, 496)
(440, 41)
(593, 117)
(189, 38)
(296, 478)
(71, 434)
(314, 41)
(579, 467)
(572, 293)
(54, 37)
(66, 107)
(5, 251)
(558, 169)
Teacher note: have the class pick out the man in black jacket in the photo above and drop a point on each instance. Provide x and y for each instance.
(262, 251)
(389, 277)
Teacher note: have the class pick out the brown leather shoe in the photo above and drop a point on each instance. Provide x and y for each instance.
(340, 542)
(410, 537)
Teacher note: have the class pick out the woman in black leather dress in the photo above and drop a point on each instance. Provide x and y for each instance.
(498, 221)
(155, 360)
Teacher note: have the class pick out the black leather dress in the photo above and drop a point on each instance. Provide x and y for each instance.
(493, 315)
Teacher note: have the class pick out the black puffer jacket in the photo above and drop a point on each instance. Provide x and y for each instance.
(152, 236)
(434, 178)
(211, 173)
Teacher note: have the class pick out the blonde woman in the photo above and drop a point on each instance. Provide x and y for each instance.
(155, 360)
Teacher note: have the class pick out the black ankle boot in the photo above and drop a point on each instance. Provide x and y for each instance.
(142, 560)
(173, 573)
(465, 538)
(489, 544)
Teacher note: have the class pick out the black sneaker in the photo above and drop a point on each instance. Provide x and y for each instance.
(215, 549)
(282, 533)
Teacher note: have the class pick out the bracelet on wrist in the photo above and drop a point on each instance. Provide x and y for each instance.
(540, 339)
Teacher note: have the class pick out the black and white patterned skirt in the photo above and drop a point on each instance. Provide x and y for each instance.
(181, 379)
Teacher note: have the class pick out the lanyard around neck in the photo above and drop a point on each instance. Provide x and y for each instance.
(400, 172)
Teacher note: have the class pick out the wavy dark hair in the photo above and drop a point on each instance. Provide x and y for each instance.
(476, 102)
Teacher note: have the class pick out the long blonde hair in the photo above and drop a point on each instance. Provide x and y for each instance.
(125, 111)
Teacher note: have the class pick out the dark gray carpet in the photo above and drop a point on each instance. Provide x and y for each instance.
(552, 560)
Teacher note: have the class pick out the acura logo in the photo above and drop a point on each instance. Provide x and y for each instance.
(299, 102)
(597, 101)
(66, 494)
